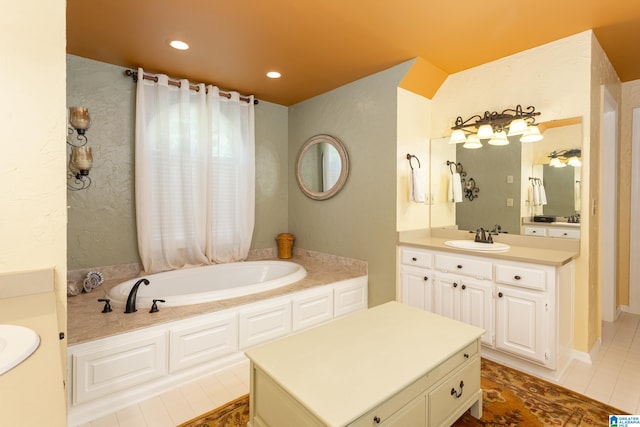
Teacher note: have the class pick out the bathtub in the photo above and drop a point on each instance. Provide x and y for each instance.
(211, 283)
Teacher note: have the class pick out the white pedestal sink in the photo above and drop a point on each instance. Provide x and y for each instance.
(16, 344)
(477, 246)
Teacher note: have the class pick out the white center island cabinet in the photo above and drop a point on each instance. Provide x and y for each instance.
(391, 365)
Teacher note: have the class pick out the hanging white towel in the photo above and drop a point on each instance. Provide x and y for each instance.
(536, 194)
(416, 186)
(455, 188)
(543, 195)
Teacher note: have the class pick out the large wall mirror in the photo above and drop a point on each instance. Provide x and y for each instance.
(503, 175)
(322, 167)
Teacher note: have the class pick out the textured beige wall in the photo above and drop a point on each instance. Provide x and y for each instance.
(32, 165)
(360, 221)
(101, 229)
(555, 78)
(414, 112)
(630, 100)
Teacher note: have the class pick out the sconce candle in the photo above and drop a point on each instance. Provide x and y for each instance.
(79, 118)
(82, 159)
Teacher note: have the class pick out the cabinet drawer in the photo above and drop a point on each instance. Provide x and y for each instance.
(453, 362)
(454, 392)
(416, 257)
(567, 233)
(521, 276)
(535, 231)
(468, 267)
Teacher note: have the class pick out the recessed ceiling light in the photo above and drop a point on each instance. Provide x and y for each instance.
(274, 75)
(177, 44)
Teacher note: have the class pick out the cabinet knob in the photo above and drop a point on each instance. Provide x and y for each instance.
(466, 355)
(376, 419)
(517, 277)
(455, 285)
(534, 231)
(499, 294)
(464, 287)
(426, 278)
(459, 266)
(414, 259)
(565, 234)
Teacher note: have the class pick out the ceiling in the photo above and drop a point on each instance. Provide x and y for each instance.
(319, 45)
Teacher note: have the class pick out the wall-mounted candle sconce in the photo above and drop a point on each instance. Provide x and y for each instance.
(80, 159)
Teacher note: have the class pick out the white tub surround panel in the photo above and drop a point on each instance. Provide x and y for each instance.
(113, 372)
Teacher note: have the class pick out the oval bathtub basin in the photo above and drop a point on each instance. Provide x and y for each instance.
(477, 246)
(210, 283)
(17, 343)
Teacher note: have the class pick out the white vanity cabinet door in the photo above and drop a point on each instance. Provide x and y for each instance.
(521, 322)
(417, 287)
(465, 299)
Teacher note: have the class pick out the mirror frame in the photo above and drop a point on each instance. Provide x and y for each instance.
(344, 170)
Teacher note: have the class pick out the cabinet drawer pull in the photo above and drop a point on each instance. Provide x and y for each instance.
(466, 355)
(459, 266)
(376, 419)
(499, 294)
(464, 287)
(455, 285)
(517, 277)
(414, 259)
(457, 394)
(426, 278)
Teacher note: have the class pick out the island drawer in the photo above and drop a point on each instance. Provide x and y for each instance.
(416, 257)
(452, 363)
(453, 393)
(468, 267)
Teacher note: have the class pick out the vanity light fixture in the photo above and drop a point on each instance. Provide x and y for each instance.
(496, 127)
(80, 159)
(560, 159)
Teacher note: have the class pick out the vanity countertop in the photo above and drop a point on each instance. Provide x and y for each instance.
(553, 224)
(530, 254)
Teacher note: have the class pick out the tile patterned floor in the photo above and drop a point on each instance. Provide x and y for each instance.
(613, 378)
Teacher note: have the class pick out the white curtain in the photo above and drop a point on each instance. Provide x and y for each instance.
(194, 175)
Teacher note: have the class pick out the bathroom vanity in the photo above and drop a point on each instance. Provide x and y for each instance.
(522, 298)
(391, 365)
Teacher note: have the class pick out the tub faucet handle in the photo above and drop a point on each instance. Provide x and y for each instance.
(107, 306)
(154, 306)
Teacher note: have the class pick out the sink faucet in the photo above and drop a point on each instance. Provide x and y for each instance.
(496, 229)
(482, 236)
(131, 300)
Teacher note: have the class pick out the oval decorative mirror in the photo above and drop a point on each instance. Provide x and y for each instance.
(322, 167)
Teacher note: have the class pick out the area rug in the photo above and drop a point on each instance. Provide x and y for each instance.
(510, 398)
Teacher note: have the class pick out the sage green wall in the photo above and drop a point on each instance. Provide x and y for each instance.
(360, 221)
(101, 230)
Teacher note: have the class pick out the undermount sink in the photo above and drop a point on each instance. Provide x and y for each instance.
(16, 344)
(477, 246)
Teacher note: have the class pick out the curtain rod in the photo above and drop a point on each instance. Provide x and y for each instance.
(134, 75)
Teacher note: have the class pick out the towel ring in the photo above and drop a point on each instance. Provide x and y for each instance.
(411, 156)
(458, 168)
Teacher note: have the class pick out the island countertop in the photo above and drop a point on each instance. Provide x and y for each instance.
(362, 359)
(537, 250)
